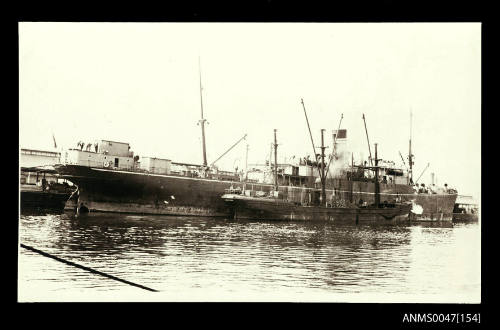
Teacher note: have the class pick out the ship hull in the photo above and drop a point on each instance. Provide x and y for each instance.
(106, 190)
(134, 192)
(465, 217)
(436, 207)
(243, 207)
(40, 200)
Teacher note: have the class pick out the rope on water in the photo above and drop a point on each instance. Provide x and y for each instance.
(45, 254)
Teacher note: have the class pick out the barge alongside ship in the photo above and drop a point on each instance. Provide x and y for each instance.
(246, 205)
(270, 208)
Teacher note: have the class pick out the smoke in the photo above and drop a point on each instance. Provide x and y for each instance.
(339, 162)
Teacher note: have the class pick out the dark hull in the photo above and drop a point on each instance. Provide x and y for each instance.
(40, 200)
(243, 207)
(131, 192)
(436, 207)
(465, 217)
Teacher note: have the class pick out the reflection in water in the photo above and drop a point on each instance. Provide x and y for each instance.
(213, 257)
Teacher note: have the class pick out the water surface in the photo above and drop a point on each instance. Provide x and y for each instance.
(213, 259)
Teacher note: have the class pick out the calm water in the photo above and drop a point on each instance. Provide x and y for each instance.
(208, 259)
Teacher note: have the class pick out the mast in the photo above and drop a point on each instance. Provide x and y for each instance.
(323, 179)
(275, 162)
(202, 120)
(351, 177)
(246, 164)
(271, 156)
(377, 186)
(368, 140)
(310, 134)
(334, 145)
(410, 155)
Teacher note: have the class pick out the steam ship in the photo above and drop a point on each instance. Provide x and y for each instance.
(110, 178)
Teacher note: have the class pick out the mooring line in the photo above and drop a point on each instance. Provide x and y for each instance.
(45, 254)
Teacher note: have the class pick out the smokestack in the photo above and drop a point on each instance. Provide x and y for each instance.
(432, 178)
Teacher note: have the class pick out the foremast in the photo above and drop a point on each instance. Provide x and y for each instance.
(202, 121)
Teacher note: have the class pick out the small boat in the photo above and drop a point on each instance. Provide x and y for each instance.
(315, 206)
(44, 194)
(465, 210)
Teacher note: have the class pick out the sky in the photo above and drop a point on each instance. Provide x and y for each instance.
(140, 83)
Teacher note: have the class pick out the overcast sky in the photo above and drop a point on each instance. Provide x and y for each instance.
(139, 83)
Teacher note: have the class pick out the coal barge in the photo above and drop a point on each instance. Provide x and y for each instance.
(246, 205)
